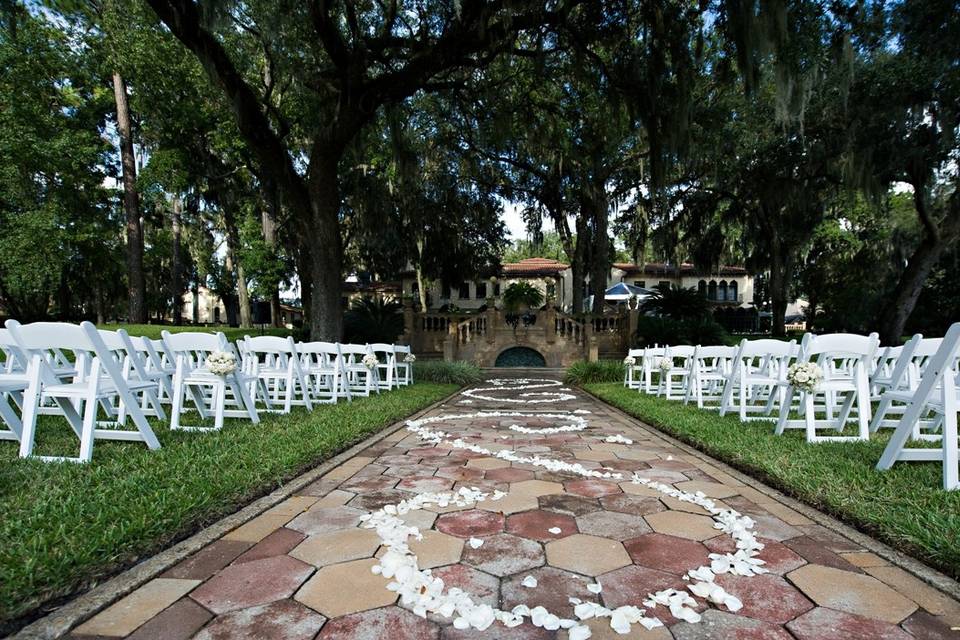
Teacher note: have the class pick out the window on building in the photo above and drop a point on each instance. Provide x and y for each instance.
(216, 315)
(702, 288)
(664, 284)
(551, 290)
(465, 291)
(712, 290)
(640, 283)
(496, 290)
(481, 293)
(446, 291)
(722, 291)
(733, 291)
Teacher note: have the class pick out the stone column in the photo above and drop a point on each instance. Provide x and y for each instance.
(451, 342)
(492, 320)
(408, 320)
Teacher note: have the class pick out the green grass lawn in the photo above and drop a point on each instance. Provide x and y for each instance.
(64, 526)
(904, 507)
(152, 331)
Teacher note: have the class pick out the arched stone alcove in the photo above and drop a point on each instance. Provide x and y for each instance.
(520, 357)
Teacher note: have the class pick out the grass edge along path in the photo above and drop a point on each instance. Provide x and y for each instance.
(904, 507)
(66, 527)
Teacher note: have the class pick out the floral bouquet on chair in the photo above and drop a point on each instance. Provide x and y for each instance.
(665, 364)
(410, 358)
(805, 376)
(221, 363)
(370, 361)
(629, 361)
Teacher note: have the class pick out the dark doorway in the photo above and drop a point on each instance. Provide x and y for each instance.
(520, 357)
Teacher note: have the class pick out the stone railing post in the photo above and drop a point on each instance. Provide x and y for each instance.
(492, 321)
(630, 327)
(550, 323)
(408, 322)
(451, 343)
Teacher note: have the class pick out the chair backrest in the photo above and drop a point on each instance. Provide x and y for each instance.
(768, 348)
(681, 351)
(381, 347)
(402, 349)
(14, 359)
(945, 359)
(146, 348)
(716, 352)
(843, 345)
(319, 353)
(349, 350)
(635, 353)
(47, 339)
(270, 344)
(194, 346)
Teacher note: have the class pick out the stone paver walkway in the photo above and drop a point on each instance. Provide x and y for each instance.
(303, 569)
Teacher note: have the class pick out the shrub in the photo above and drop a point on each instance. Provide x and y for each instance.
(522, 294)
(659, 330)
(373, 320)
(584, 372)
(461, 372)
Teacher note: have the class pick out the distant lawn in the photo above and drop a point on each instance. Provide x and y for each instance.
(904, 507)
(152, 331)
(65, 526)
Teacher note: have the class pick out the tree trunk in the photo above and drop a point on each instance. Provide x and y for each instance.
(136, 285)
(600, 256)
(894, 316)
(305, 277)
(233, 260)
(421, 285)
(176, 266)
(779, 266)
(578, 266)
(326, 311)
(268, 221)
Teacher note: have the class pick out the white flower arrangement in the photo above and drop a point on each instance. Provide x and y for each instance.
(221, 363)
(370, 361)
(664, 364)
(522, 384)
(629, 361)
(425, 593)
(805, 376)
(410, 358)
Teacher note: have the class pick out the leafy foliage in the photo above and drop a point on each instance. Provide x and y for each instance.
(440, 372)
(522, 294)
(677, 303)
(654, 330)
(584, 372)
(373, 320)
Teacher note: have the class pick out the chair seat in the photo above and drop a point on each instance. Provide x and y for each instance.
(106, 387)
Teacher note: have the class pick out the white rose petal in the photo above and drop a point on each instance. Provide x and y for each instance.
(529, 582)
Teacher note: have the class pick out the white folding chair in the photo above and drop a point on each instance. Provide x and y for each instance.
(156, 365)
(404, 368)
(674, 381)
(208, 390)
(633, 373)
(274, 362)
(361, 378)
(709, 369)
(650, 361)
(13, 382)
(98, 381)
(844, 359)
(937, 393)
(757, 371)
(386, 369)
(904, 378)
(323, 366)
(144, 385)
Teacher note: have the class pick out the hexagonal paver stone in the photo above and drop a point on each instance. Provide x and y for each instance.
(487, 463)
(511, 503)
(366, 484)
(436, 549)
(419, 518)
(779, 559)
(588, 555)
(689, 507)
(590, 454)
(482, 587)
(613, 525)
(663, 475)
(125, 615)
(600, 629)
(766, 597)
(634, 505)
(423, 484)
(285, 619)
(345, 588)
(681, 524)
(536, 488)
(640, 455)
(460, 473)
(667, 553)
(337, 546)
(569, 504)
(378, 499)
(209, 560)
(717, 625)
(591, 488)
(277, 543)
(509, 474)
(325, 520)
(709, 489)
(827, 624)
(250, 584)
(505, 554)
(554, 589)
(815, 553)
(389, 622)
(474, 523)
(523, 632)
(632, 585)
(775, 529)
(637, 489)
(536, 525)
(852, 593)
(928, 627)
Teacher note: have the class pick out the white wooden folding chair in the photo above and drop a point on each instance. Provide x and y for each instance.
(154, 364)
(938, 392)
(208, 390)
(753, 384)
(633, 373)
(903, 377)
(99, 381)
(650, 362)
(134, 370)
(275, 363)
(386, 369)
(13, 382)
(709, 369)
(844, 359)
(361, 378)
(674, 381)
(323, 366)
(404, 368)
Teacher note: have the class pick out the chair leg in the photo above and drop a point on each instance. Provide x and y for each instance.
(219, 404)
(89, 424)
(810, 417)
(785, 408)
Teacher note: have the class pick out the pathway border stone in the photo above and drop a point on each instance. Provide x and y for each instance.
(930, 576)
(88, 604)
